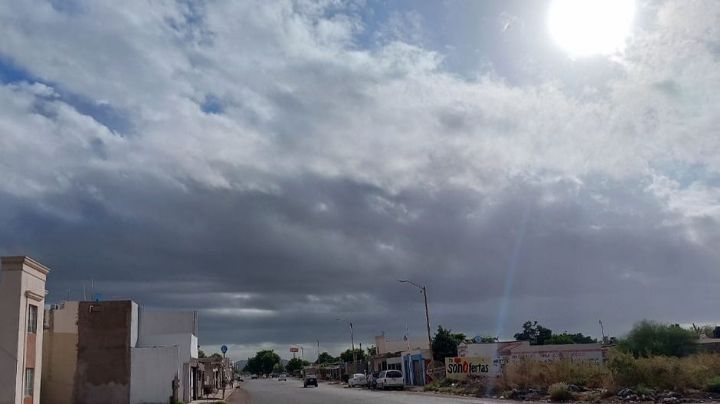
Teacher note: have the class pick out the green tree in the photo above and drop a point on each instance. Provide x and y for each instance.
(262, 363)
(486, 339)
(278, 368)
(565, 338)
(347, 356)
(445, 343)
(559, 339)
(201, 354)
(325, 358)
(216, 356)
(579, 338)
(534, 332)
(649, 338)
(296, 364)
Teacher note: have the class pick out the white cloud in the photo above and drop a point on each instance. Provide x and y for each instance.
(301, 97)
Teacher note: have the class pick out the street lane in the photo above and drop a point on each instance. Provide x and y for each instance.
(266, 391)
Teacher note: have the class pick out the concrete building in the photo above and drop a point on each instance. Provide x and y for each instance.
(398, 355)
(106, 333)
(385, 345)
(417, 366)
(22, 298)
(217, 373)
(118, 352)
(60, 340)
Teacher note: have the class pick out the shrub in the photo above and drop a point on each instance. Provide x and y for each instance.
(560, 392)
(713, 385)
(648, 338)
(643, 390)
(438, 384)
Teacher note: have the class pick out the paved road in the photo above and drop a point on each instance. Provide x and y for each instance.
(266, 391)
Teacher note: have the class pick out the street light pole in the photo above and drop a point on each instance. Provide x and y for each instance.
(423, 290)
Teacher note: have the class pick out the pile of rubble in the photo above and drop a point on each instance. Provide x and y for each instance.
(665, 397)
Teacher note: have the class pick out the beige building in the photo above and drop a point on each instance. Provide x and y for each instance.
(60, 341)
(22, 298)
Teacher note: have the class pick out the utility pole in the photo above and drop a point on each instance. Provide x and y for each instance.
(423, 290)
(352, 339)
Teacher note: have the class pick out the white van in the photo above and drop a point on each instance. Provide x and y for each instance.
(390, 379)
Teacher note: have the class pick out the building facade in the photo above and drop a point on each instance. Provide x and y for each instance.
(118, 352)
(22, 298)
(60, 341)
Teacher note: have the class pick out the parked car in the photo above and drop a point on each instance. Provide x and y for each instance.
(282, 377)
(253, 377)
(390, 379)
(358, 379)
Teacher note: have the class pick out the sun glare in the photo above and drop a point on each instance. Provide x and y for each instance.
(591, 27)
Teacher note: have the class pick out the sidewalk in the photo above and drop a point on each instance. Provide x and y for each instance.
(218, 396)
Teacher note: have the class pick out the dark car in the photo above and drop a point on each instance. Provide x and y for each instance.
(310, 380)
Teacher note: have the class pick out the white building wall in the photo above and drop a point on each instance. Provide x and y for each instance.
(134, 324)
(171, 328)
(160, 322)
(152, 371)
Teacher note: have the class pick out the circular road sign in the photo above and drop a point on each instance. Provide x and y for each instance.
(223, 348)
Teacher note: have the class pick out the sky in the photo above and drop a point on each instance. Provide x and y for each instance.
(279, 165)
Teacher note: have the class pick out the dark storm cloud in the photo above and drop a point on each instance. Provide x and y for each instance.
(263, 267)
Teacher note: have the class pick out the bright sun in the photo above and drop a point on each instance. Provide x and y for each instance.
(591, 27)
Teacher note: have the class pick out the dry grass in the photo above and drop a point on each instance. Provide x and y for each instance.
(622, 370)
(528, 374)
(663, 372)
(694, 372)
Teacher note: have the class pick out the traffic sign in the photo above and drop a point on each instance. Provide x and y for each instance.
(223, 349)
(294, 349)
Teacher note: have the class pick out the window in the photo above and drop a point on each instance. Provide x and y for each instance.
(32, 319)
(29, 381)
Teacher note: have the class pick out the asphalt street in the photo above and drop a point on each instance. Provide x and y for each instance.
(269, 391)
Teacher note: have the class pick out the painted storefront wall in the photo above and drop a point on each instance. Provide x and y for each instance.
(488, 360)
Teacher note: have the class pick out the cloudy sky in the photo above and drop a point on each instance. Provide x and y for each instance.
(276, 165)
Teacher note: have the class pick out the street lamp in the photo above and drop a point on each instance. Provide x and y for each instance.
(423, 290)
(352, 338)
